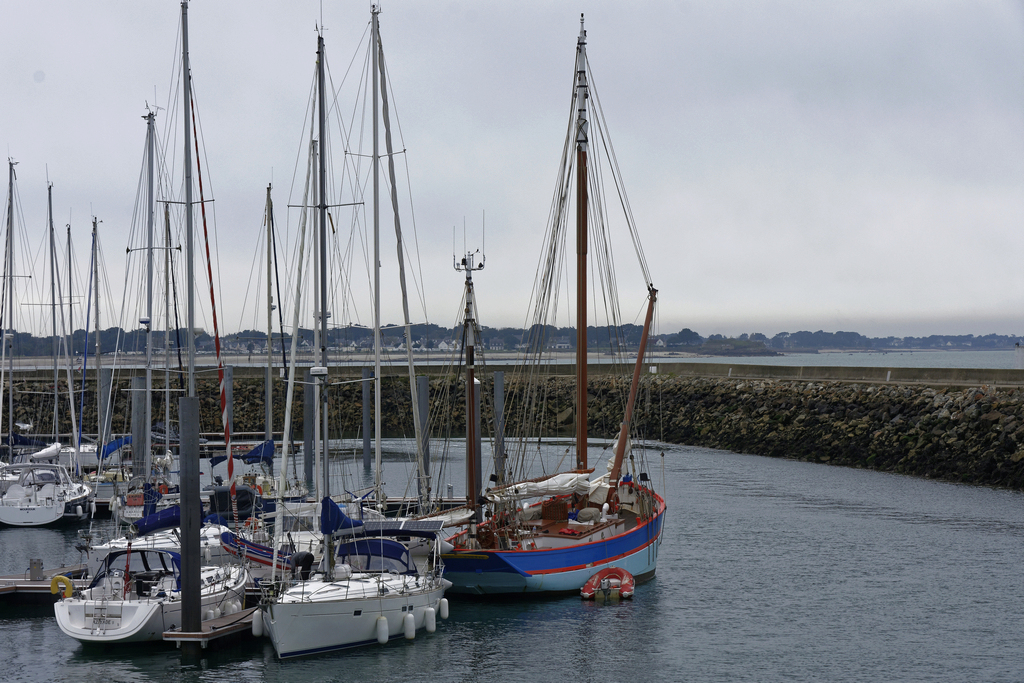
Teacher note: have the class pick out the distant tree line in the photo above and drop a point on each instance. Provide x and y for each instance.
(821, 340)
(429, 336)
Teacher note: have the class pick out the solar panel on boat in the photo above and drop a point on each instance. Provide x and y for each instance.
(395, 525)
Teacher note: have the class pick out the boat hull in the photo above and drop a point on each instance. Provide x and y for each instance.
(31, 515)
(45, 513)
(310, 627)
(556, 570)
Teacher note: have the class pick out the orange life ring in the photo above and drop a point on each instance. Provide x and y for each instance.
(259, 489)
(162, 489)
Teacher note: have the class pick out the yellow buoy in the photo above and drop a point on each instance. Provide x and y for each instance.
(61, 580)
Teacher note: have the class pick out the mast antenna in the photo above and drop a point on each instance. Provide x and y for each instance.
(467, 263)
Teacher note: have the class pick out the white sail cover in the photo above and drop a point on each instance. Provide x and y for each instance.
(557, 485)
(48, 453)
(454, 517)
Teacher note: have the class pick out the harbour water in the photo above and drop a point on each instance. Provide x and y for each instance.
(770, 570)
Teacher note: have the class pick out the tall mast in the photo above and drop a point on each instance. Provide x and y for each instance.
(71, 341)
(96, 298)
(71, 313)
(148, 320)
(76, 442)
(188, 412)
(375, 40)
(53, 308)
(322, 218)
(190, 278)
(9, 345)
(268, 405)
(581, 248)
(469, 323)
(167, 326)
(69, 367)
(422, 477)
(318, 444)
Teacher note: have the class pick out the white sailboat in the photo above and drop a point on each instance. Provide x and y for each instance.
(135, 597)
(369, 589)
(36, 490)
(43, 493)
(143, 590)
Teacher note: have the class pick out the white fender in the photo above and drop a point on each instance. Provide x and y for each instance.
(442, 608)
(382, 629)
(257, 623)
(409, 623)
(430, 619)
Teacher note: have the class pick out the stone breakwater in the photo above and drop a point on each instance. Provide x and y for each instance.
(972, 435)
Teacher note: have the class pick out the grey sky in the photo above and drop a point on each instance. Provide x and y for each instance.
(791, 165)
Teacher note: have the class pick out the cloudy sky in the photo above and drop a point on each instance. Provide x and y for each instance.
(790, 165)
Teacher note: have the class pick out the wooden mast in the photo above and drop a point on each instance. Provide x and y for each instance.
(620, 444)
(469, 335)
(581, 249)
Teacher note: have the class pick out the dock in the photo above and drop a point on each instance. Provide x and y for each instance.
(23, 589)
(239, 623)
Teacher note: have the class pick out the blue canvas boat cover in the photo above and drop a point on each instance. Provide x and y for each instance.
(168, 518)
(114, 445)
(377, 554)
(333, 519)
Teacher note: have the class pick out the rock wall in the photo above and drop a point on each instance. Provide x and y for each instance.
(972, 435)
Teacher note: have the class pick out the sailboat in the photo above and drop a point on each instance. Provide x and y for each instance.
(577, 524)
(139, 593)
(368, 588)
(135, 596)
(42, 493)
(154, 486)
(36, 491)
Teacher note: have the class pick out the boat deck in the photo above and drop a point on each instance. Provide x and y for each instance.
(547, 533)
(558, 533)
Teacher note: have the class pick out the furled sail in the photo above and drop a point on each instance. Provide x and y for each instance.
(557, 485)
